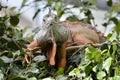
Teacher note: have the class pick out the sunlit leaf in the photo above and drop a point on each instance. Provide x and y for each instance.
(75, 72)
(48, 78)
(32, 78)
(115, 8)
(60, 13)
(93, 54)
(107, 63)
(117, 78)
(60, 71)
(114, 48)
(112, 37)
(117, 71)
(88, 78)
(1, 75)
(61, 77)
(95, 68)
(101, 75)
(17, 53)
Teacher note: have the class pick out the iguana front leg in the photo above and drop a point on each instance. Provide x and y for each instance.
(61, 56)
(51, 54)
(32, 47)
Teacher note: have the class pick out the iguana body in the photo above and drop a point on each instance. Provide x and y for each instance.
(80, 33)
(59, 35)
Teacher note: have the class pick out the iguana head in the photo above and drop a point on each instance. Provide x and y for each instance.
(51, 30)
(45, 35)
(48, 19)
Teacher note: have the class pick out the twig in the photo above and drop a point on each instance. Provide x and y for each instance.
(16, 44)
(80, 46)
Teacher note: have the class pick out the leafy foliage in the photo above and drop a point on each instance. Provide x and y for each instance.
(102, 63)
(99, 64)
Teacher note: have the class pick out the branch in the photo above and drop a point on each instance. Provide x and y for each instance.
(80, 46)
(95, 45)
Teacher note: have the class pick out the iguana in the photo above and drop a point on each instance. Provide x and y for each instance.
(55, 36)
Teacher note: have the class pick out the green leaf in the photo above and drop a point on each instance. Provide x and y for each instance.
(17, 53)
(2, 29)
(93, 54)
(115, 8)
(32, 78)
(18, 78)
(61, 77)
(101, 75)
(109, 3)
(112, 36)
(60, 71)
(1, 75)
(88, 68)
(95, 68)
(107, 64)
(12, 9)
(88, 78)
(76, 72)
(33, 70)
(117, 71)
(114, 48)
(88, 13)
(92, 1)
(14, 20)
(117, 78)
(23, 3)
(60, 13)
(72, 18)
(115, 20)
(6, 59)
(104, 46)
(117, 28)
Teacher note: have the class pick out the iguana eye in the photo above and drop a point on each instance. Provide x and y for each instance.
(51, 24)
(43, 20)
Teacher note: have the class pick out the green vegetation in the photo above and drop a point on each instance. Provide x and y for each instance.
(97, 63)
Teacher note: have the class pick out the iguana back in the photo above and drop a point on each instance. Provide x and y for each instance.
(81, 33)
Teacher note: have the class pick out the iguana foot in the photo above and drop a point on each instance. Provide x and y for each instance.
(52, 61)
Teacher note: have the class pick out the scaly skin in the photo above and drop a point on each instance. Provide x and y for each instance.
(80, 33)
